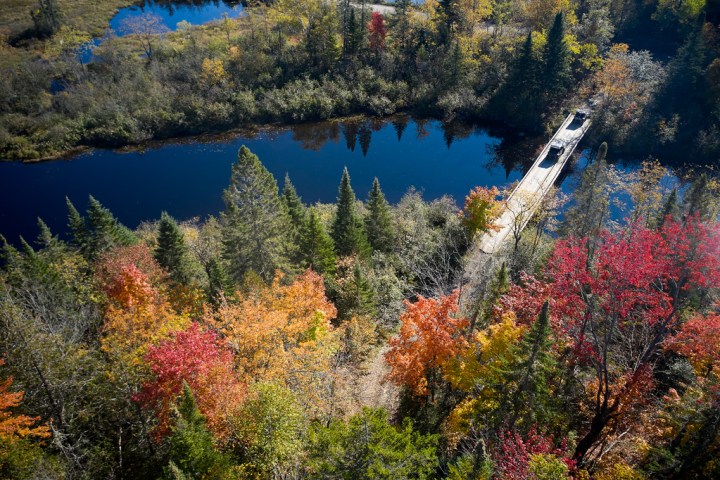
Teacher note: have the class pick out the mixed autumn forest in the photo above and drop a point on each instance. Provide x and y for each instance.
(359, 339)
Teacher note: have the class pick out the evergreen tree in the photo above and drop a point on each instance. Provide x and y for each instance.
(172, 252)
(556, 71)
(321, 42)
(192, 448)
(105, 232)
(45, 238)
(294, 205)
(46, 17)
(347, 229)
(670, 208)
(368, 446)
(316, 246)
(531, 398)
(698, 199)
(76, 224)
(218, 281)
(378, 222)
(497, 288)
(592, 199)
(255, 225)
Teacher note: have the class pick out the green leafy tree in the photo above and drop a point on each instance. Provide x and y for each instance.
(76, 224)
(347, 229)
(368, 447)
(699, 198)
(316, 246)
(268, 431)
(255, 225)
(378, 222)
(172, 251)
(192, 447)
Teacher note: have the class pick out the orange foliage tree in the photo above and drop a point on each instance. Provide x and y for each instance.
(430, 336)
(282, 333)
(137, 317)
(14, 426)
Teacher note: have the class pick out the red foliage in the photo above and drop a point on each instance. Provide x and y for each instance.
(525, 299)
(429, 336)
(513, 456)
(377, 31)
(196, 357)
(698, 340)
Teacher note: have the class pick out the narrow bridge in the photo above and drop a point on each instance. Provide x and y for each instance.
(525, 199)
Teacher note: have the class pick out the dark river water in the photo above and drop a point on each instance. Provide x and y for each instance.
(187, 178)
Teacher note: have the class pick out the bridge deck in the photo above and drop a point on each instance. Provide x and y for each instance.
(527, 196)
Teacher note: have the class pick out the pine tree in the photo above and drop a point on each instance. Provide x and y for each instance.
(670, 208)
(103, 230)
(46, 239)
(218, 281)
(316, 246)
(698, 199)
(255, 225)
(77, 226)
(556, 72)
(347, 229)
(531, 398)
(172, 252)
(497, 288)
(592, 199)
(378, 222)
(294, 205)
(192, 447)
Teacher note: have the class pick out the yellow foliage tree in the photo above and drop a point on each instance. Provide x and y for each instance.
(479, 368)
(283, 333)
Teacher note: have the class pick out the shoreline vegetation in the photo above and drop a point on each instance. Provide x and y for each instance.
(293, 62)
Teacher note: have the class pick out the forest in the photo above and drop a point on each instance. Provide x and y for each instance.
(364, 339)
(360, 339)
(651, 68)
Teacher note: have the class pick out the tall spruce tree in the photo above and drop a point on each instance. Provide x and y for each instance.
(347, 229)
(77, 226)
(172, 252)
(556, 71)
(531, 399)
(254, 223)
(99, 231)
(218, 281)
(316, 246)
(293, 203)
(378, 222)
(698, 198)
(592, 199)
(670, 208)
(192, 447)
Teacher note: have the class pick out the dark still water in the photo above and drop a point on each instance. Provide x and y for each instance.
(187, 179)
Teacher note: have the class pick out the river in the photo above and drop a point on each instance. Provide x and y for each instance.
(186, 178)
